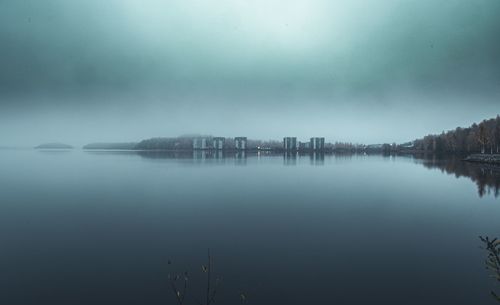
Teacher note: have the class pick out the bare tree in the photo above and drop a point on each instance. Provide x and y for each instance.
(482, 137)
(492, 261)
(179, 285)
(497, 133)
(211, 292)
(475, 138)
(490, 130)
(180, 293)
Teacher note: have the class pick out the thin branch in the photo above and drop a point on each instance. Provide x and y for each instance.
(177, 293)
(208, 277)
(493, 260)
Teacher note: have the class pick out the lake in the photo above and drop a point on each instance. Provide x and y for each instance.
(80, 227)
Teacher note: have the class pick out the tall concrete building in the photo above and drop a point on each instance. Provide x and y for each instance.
(240, 143)
(218, 143)
(290, 143)
(317, 144)
(200, 143)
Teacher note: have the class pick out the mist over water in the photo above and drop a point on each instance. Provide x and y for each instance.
(359, 71)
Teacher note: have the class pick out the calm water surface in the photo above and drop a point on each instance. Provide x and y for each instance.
(99, 228)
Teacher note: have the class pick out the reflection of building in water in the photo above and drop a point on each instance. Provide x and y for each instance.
(200, 155)
(241, 157)
(240, 143)
(290, 143)
(290, 158)
(317, 158)
(317, 144)
(218, 143)
(199, 143)
(208, 156)
(219, 154)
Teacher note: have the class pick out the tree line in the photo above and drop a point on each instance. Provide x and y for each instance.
(483, 137)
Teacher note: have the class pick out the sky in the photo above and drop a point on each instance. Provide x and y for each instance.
(364, 71)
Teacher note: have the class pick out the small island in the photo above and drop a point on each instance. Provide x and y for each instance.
(54, 146)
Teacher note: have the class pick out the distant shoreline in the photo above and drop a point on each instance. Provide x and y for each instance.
(54, 146)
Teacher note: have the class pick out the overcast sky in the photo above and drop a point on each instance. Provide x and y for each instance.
(365, 71)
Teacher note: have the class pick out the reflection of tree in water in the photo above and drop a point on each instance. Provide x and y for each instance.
(486, 177)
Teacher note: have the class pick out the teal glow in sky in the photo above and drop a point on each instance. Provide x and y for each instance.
(363, 71)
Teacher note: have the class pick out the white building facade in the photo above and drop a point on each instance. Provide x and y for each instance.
(200, 143)
(317, 144)
(240, 143)
(290, 143)
(218, 143)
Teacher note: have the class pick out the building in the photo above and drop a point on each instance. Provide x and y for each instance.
(317, 144)
(240, 143)
(290, 143)
(199, 143)
(304, 145)
(218, 143)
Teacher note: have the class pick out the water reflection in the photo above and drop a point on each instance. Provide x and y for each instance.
(317, 158)
(202, 156)
(486, 177)
(290, 158)
(198, 156)
(163, 154)
(241, 157)
(125, 212)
